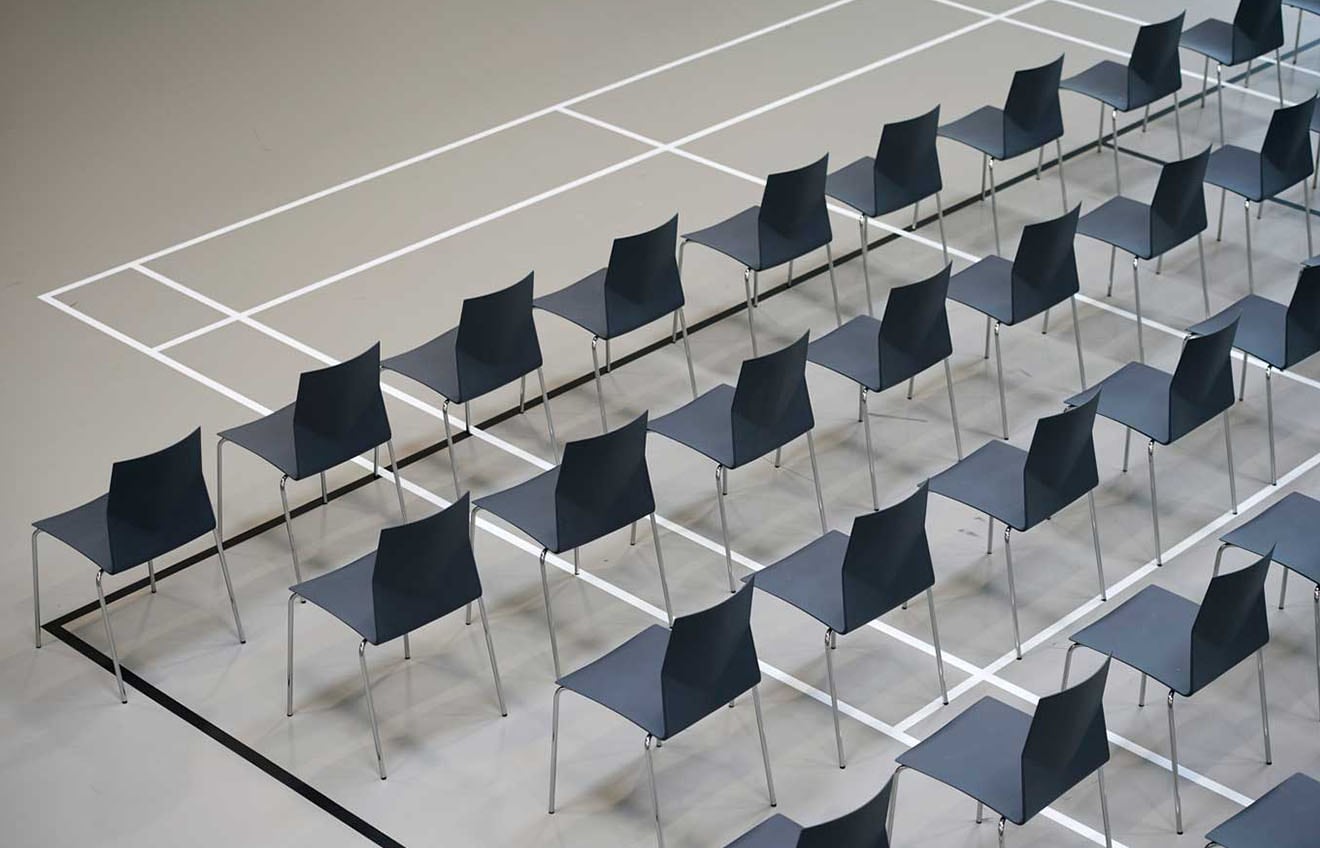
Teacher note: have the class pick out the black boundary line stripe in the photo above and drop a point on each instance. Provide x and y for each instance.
(58, 627)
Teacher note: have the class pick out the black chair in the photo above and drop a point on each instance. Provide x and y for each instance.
(1164, 407)
(1175, 214)
(494, 344)
(664, 680)
(769, 408)
(791, 221)
(1288, 816)
(1186, 646)
(1280, 336)
(904, 172)
(419, 573)
(156, 504)
(339, 412)
(864, 827)
(1257, 29)
(640, 285)
(1030, 119)
(1289, 531)
(1018, 764)
(847, 581)
(912, 336)
(1152, 72)
(1284, 161)
(1023, 488)
(1042, 274)
(601, 486)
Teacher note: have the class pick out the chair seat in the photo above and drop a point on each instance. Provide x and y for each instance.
(742, 238)
(1291, 527)
(1260, 331)
(811, 579)
(272, 439)
(853, 350)
(1152, 632)
(1104, 81)
(627, 681)
(85, 529)
(778, 831)
(1288, 816)
(979, 753)
(981, 130)
(1214, 38)
(704, 425)
(1121, 222)
(989, 480)
(1135, 396)
(986, 287)
(872, 194)
(582, 302)
(434, 364)
(346, 593)
(529, 506)
(1236, 169)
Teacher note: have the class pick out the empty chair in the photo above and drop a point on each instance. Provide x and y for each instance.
(1302, 7)
(1288, 816)
(601, 486)
(339, 413)
(1042, 274)
(419, 573)
(864, 827)
(1289, 531)
(1257, 29)
(1278, 335)
(640, 285)
(666, 680)
(791, 222)
(1186, 646)
(847, 581)
(1164, 407)
(1018, 764)
(494, 344)
(1023, 488)
(733, 426)
(156, 504)
(912, 336)
(1030, 119)
(904, 172)
(1175, 214)
(1152, 72)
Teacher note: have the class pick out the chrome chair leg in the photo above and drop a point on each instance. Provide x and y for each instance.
(1205, 81)
(1100, 132)
(980, 812)
(288, 677)
(1205, 285)
(1136, 296)
(994, 208)
(866, 271)
(1173, 758)
(522, 394)
(1040, 160)
(834, 286)
(1177, 124)
(1067, 663)
(554, 746)
(1118, 176)
(151, 575)
(545, 402)
(1269, 419)
(789, 283)
(1113, 254)
(1012, 590)
(687, 352)
(1315, 606)
(939, 215)
(229, 585)
(1264, 710)
(550, 615)
(1219, 83)
(1297, 40)
(490, 649)
(893, 803)
(660, 564)
(1095, 540)
(1063, 184)
(673, 332)
(110, 637)
(655, 798)
(288, 527)
(1141, 693)
(600, 391)
(219, 491)
(834, 697)
(990, 535)
(398, 479)
(1232, 477)
(453, 452)
(1154, 502)
(1104, 807)
(1251, 273)
(815, 475)
(325, 496)
(1246, 366)
(988, 322)
(720, 477)
(1002, 825)
(1127, 447)
(1306, 210)
(935, 637)
(870, 457)
(36, 592)
(371, 706)
(765, 749)
(751, 320)
(1278, 69)
(999, 368)
(953, 409)
(985, 162)
(1077, 337)
(1145, 118)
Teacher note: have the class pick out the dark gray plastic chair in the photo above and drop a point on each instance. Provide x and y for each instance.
(1289, 531)
(156, 504)
(1152, 72)
(419, 573)
(1042, 274)
(664, 680)
(864, 827)
(904, 172)
(1018, 764)
(339, 413)
(1030, 119)
(1302, 7)
(791, 221)
(1186, 646)
(912, 336)
(494, 344)
(1288, 816)
(640, 285)
(1147, 231)
(1278, 335)
(602, 485)
(1023, 488)
(847, 581)
(1257, 29)
(1164, 407)
(733, 426)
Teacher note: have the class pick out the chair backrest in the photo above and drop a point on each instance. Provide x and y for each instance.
(1231, 624)
(496, 341)
(1155, 69)
(887, 560)
(1257, 28)
(1301, 334)
(641, 280)
(793, 216)
(603, 485)
(1285, 155)
(157, 502)
(1031, 112)
(1177, 211)
(709, 661)
(1060, 465)
(771, 406)
(914, 331)
(1066, 742)
(339, 412)
(1202, 385)
(1045, 265)
(423, 570)
(864, 827)
(907, 157)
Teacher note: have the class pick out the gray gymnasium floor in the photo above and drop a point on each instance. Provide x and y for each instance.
(166, 130)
